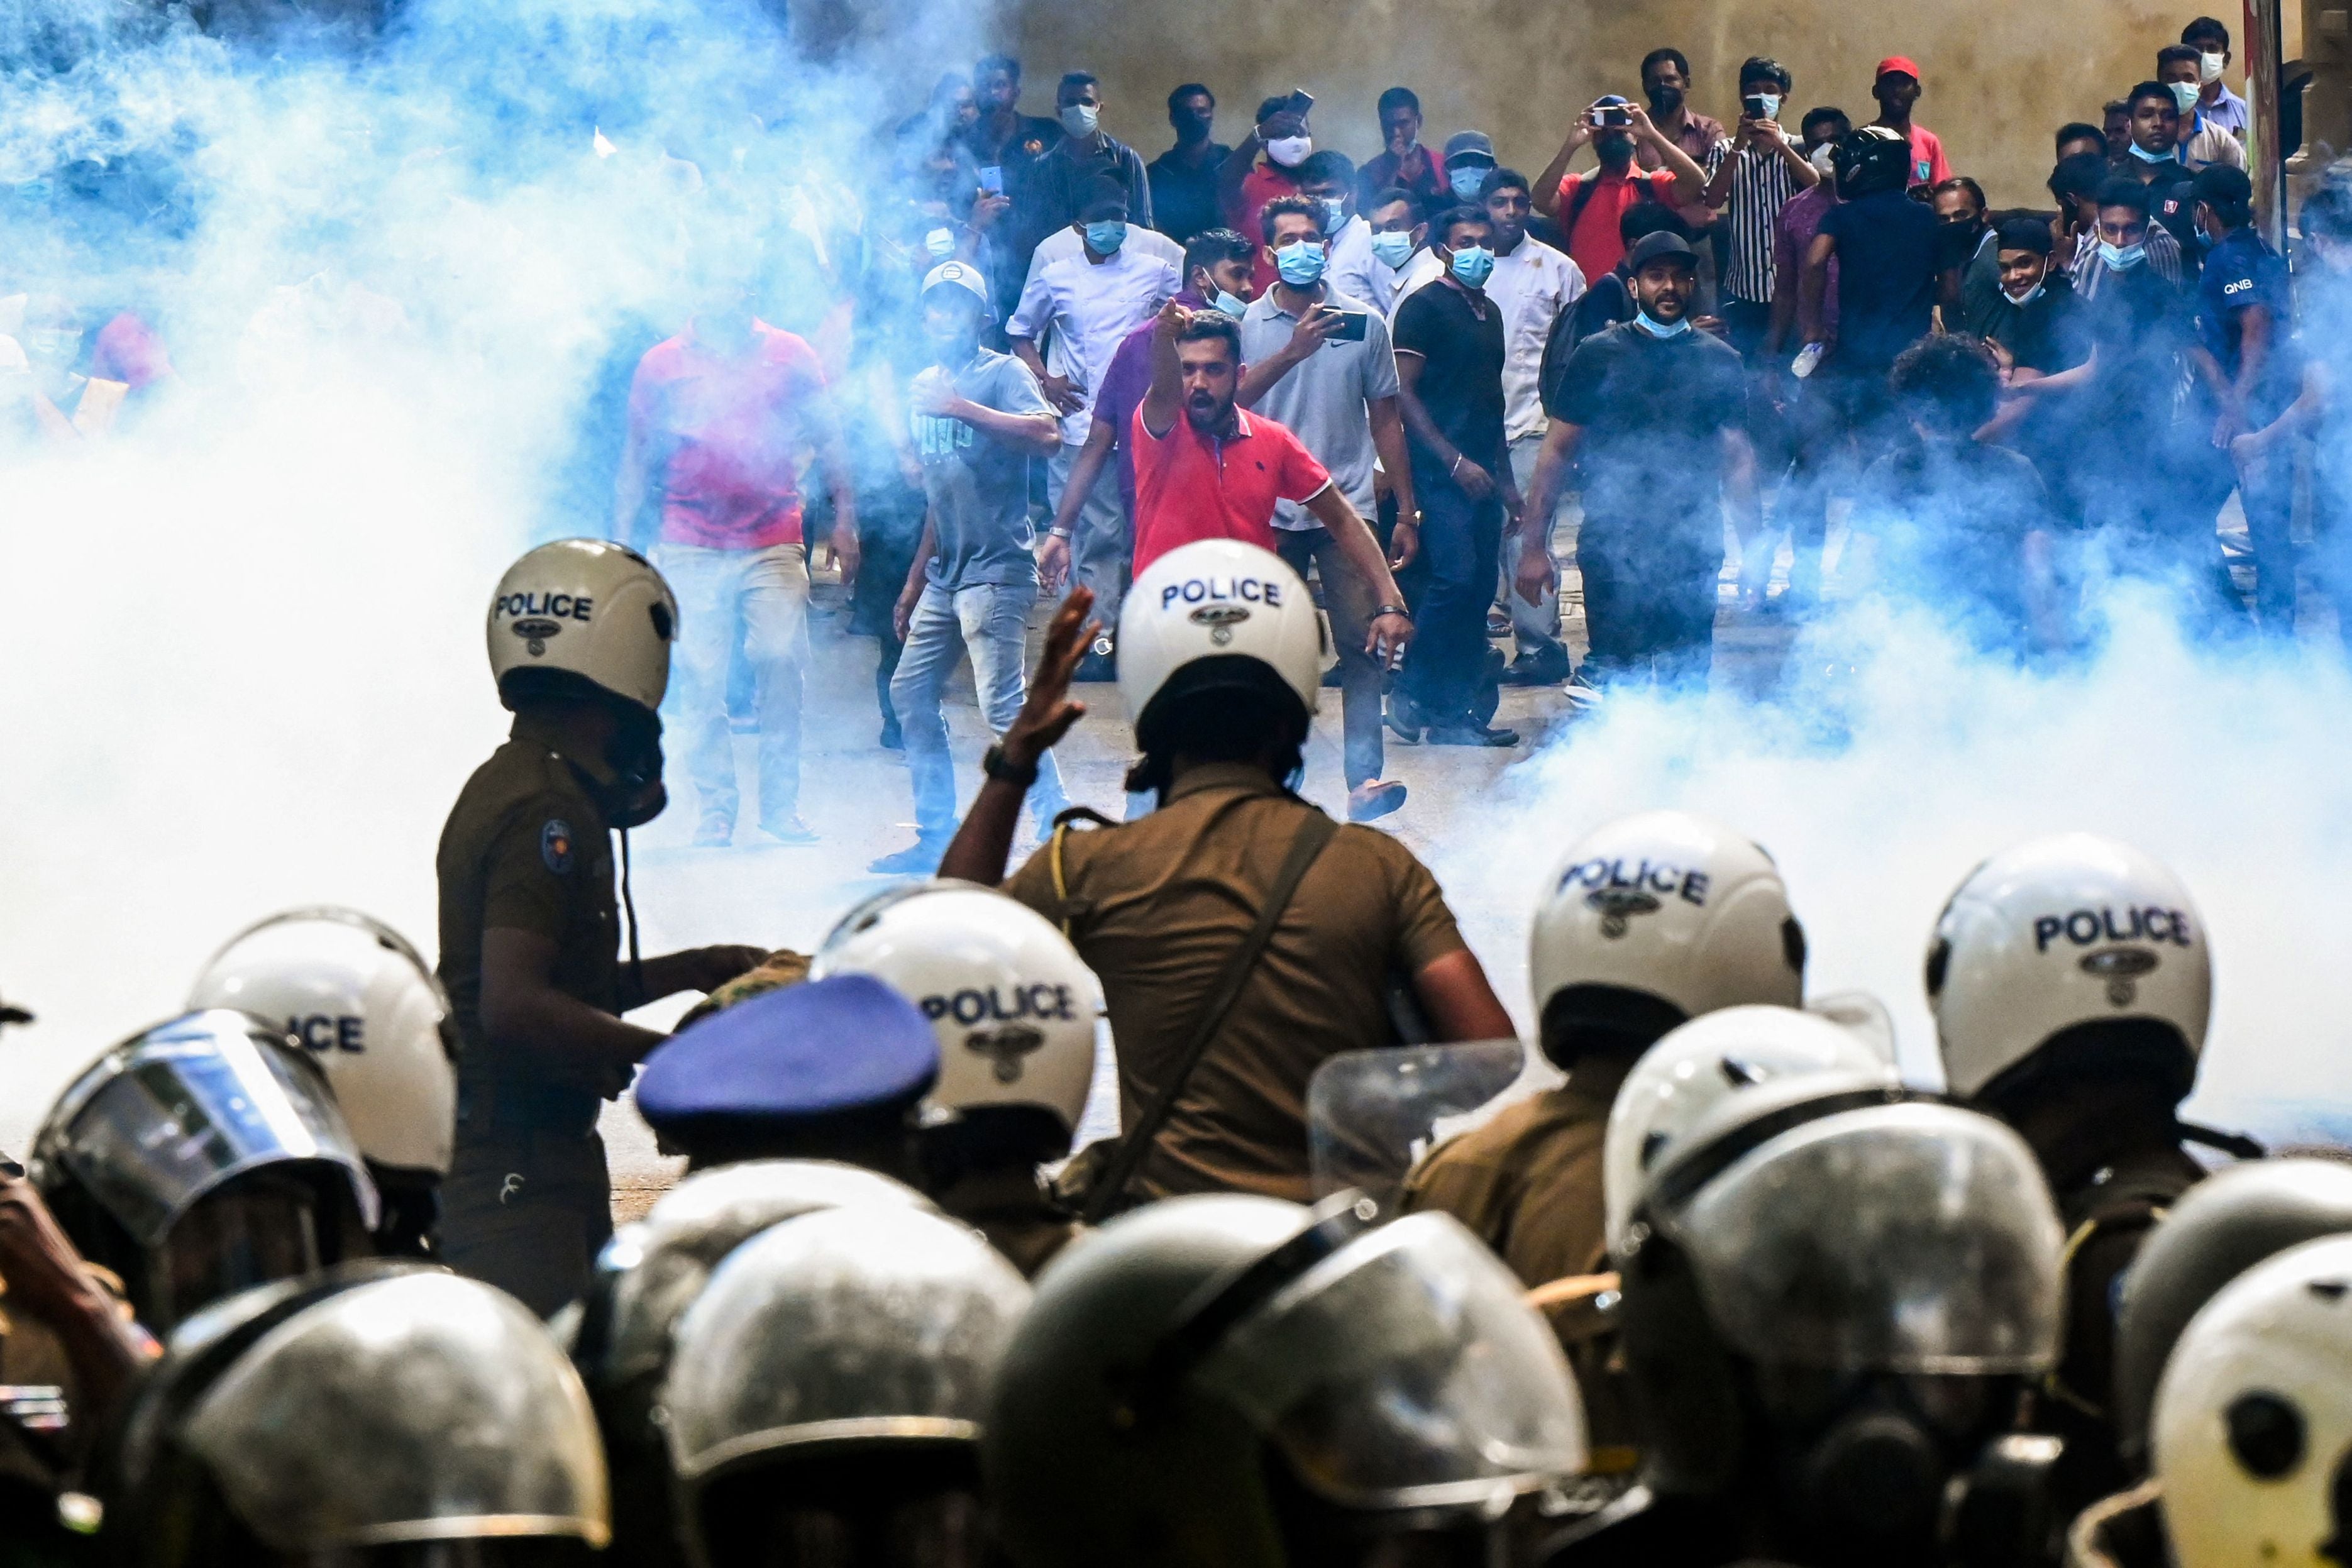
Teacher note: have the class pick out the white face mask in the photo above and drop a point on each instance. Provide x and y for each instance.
(1290, 151)
(1824, 158)
(1080, 119)
(2209, 67)
(2023, 300)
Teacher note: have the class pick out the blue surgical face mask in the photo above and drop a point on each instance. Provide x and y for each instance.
(1232, 304)
(1105, 235)
(2184, 93)
(1771, 105)
(940, 244)
(1465, 182)
(2123, 258)
(1473, 265)
(1393, 248)
(1300, 263)
(2145, 156)
(1080, 119)
(1335, 213)
(2023, 300)
(1657, 329)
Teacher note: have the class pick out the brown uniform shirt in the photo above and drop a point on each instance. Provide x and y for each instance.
(1528, 1180)
(526, 848)
(1158, 906)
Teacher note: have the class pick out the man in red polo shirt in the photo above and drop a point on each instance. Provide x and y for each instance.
(721, 418)
(1204, 468)
(1589, 206)
(1896, 88)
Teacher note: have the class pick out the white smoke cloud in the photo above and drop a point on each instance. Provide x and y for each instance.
(241, 667)
(1895, 763)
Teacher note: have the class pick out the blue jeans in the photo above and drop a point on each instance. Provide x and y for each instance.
(989, 621)
(768, 590)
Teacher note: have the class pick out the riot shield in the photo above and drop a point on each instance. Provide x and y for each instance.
(1370, 1115)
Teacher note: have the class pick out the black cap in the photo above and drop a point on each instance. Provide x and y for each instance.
(2222, 186)
(1651, 246)
(2024, 234)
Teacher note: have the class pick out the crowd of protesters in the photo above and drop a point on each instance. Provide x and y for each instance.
(1686, 340)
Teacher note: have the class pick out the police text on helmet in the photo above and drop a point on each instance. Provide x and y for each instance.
(2084, 926)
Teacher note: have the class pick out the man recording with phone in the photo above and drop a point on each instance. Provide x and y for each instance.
(1340, 399)
(1588, 207)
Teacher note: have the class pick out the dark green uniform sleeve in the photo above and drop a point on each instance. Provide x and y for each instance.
(531, 870)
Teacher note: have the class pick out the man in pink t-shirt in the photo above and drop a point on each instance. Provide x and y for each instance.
(1896, 89)
(1206, 470)
(721, 420)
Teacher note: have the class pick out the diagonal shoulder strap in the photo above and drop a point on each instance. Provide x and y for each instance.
(1314, 832)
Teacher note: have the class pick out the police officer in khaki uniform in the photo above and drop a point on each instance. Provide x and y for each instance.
(580, 635)
(2071, 984)
(1655, 918)
(1240, 937)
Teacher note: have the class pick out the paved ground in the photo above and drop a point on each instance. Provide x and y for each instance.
(857, 797)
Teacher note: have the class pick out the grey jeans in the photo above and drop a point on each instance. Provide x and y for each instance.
(768, 590)
(1533, 627)
(1099, 550)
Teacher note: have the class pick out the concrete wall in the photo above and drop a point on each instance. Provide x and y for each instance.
(2000, 79)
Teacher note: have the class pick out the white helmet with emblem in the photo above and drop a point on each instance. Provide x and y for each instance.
(1654, 919)
(1013, 1004)
(1703, 1063)
(2253, 1418)
(2069, 951)
(590, 608)
(366, 1006)
(1217, 613)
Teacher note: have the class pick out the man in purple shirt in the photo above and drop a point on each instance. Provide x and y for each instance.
(1219, 271)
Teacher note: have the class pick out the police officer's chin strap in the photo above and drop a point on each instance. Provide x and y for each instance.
(634, 797)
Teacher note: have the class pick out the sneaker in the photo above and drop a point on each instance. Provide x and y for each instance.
(792, 831)
(1096, 666)
(1582, 693)
(1405, 719)
(1542, 665)
(714, 833)
(920, 859)
(1468, 734)
(892, 741)
(1374, 799)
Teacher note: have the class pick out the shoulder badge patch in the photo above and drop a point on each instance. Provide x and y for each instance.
(555, 846)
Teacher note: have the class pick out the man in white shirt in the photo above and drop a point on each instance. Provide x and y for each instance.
(1396, 228)
(1090, 301)
(1329, 180)
(1532, 283)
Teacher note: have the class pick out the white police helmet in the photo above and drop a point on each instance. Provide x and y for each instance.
(2254, 1417)
(2057, 934)
(1655, 918)
(1706, 1061)
(1218, 613)
(590, 608)
(1011, 1002)
(367, 1007)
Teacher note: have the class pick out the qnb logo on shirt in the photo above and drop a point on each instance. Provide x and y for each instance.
(2240, 287)
(937, 440)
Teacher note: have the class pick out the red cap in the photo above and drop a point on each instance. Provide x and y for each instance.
(1903, 63)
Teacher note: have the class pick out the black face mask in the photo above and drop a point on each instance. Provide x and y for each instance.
(1665, 99)
(634, 795)
(1616, 152)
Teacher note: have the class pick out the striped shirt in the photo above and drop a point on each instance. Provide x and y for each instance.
(1761, 184)
(2087, 271)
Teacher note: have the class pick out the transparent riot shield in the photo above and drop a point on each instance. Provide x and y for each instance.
(1370, 1115)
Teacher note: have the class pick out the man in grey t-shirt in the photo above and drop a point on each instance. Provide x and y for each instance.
(975, 419)
(1340, 401)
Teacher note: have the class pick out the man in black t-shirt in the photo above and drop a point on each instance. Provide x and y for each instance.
(1449, 352)
(2040, 328)
(1655, 413)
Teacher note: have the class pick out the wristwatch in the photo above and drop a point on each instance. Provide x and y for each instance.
(1380, 610)
(998, 766)
(1063, 533)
